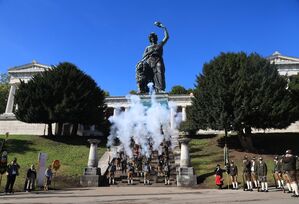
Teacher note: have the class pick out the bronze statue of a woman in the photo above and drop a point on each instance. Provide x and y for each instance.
(151, 68)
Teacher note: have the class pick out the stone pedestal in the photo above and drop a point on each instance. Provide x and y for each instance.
(185, 173)
(91, 175)
(93, 153)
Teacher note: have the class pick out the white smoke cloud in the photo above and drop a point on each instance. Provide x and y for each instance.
(141, 123)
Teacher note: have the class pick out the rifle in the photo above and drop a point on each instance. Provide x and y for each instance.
(275, 181)
(227, 180)
(244, 189)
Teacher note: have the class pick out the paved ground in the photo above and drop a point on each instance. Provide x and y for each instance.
(145, 195)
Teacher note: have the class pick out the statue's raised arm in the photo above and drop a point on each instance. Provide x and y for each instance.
(166, 34)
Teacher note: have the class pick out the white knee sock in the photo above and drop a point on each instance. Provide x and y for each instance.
(266, 186)
(255, 183)
(247, 182)
(278, 182)
(289, 187)
(233, 184)
(282, 183)
(263, 186)
(295, 188)
(250, 184)
(236, 183)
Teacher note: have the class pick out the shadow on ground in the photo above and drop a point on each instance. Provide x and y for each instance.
(76, 140)
(19, 146)
(265, 143)
(201, 178)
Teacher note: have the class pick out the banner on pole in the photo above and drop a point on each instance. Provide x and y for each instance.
(42, 165)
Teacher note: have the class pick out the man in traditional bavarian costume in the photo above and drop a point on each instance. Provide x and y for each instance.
(111, 172)
(146, 173)
(246, 173)
(233, 172)
(166, 170)
(289, 166)
(262, 174)
(253, 172)
(277, 172)
(130, 171)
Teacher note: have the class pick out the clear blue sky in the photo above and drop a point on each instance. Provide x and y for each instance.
(106, 38)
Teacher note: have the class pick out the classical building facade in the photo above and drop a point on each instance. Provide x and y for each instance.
(8, 121)
(286, 66)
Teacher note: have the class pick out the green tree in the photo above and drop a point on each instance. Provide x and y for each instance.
(4, 91)
(240, 92)
(293, 87)
(133, 92)
(178, 89)
(63, 94)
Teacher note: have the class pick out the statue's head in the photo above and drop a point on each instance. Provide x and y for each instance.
(153, 38)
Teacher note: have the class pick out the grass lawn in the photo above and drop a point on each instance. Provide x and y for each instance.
(71, 151)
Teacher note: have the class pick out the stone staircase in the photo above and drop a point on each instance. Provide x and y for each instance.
(155, 179)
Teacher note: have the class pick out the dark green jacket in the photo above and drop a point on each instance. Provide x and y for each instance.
(289, 163)
(261, 168)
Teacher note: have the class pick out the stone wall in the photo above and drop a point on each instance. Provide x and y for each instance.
(17, 127)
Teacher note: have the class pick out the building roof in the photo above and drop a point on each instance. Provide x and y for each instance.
(278, 58)
(34, 66)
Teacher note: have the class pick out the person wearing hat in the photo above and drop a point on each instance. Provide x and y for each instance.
(262, 174)
(233, 172)
(253, 174)
(219, 176)
(166, 170)
(130, 171)
(111, 172)
(246, 173)
(146, 173)
(277, 172)
(289, 167)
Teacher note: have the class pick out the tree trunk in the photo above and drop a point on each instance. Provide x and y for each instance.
(74, 129)
(59, 128)
(50, 129)
(246, 140)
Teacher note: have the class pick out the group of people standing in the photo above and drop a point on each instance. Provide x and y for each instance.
(140, 165)
(254, 173)
(12, 170)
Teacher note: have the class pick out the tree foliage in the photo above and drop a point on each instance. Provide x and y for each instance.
(63, 94)
(4, 91)
(239, 92)
(293, 87)
(178, 89)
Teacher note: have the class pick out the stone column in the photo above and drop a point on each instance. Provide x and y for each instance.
(185, 173)
(185, 158)
(184, 116)
(172, 115)
(93, 153)
(91, 175)
(11, 98)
